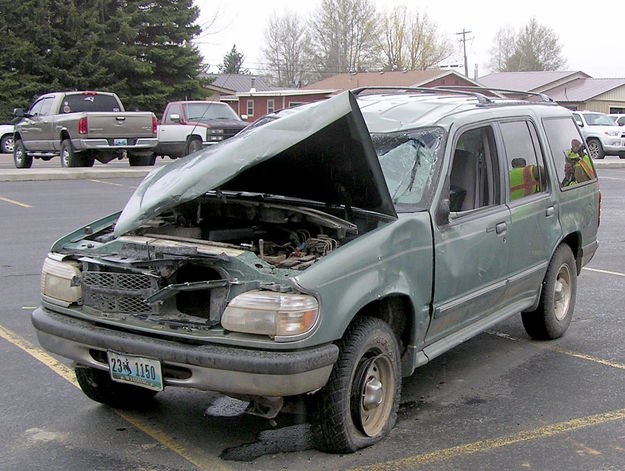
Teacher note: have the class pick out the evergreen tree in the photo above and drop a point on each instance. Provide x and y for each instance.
(139, 49)
(233, 63)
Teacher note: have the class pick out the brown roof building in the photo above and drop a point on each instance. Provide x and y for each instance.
(411, 78)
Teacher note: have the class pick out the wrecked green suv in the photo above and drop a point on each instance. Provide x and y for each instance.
(327, 253)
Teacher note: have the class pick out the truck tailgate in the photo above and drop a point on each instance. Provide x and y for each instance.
(116, 125)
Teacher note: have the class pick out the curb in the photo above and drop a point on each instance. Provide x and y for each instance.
(34, 174)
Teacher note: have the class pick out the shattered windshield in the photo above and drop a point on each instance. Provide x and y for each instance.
(408, 161)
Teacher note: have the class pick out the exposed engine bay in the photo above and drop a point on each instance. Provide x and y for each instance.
(282, 235)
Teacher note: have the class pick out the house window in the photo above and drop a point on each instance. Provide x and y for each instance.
(250, 108)
(271, 106)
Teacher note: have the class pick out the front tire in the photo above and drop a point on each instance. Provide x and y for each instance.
(98, 386)
(596, 149)
(193, 146)
(20, 158)
(6, 144)
(358, 406)
(557, 301)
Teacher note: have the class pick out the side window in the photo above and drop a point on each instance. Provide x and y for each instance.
(524, 160)
(172, 110)
(474, 178)
(46, 107)
(35, 110)
(570, 156)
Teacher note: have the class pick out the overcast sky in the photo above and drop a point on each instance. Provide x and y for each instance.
(588, 37)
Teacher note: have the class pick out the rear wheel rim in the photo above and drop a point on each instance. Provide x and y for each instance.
(593, 148)
(562, 292)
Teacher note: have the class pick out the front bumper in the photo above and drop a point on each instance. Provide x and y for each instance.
(224, 369)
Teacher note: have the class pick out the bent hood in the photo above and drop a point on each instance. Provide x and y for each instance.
(322, 153)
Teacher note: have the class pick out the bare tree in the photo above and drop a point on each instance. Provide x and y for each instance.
(344, 36)
(286, 39)
(534, 47)
(410, 41)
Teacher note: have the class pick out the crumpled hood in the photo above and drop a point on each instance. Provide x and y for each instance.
(321, 153)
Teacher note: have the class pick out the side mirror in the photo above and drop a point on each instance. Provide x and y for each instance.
(443, 212)
(244, 117)
(18, 113)
(580, 124)
(175, 117)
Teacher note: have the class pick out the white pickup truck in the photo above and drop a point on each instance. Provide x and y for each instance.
(188, 126)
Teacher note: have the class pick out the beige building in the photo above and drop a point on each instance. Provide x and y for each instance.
(575, 90)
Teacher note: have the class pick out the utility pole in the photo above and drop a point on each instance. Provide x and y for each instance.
(464, 47)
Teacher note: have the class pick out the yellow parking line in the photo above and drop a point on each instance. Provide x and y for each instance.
(607, 272)
(106, 183)
(495, 443)
(23, 205)
(192, 454)
(555, 348)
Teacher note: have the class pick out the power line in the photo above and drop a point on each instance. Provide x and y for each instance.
(464, 47)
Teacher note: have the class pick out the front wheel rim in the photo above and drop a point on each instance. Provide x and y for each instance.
(593, 147)
(562, 292)
(9, 145)
(373, 393)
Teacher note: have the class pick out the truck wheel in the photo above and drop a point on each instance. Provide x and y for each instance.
(98, 386)
(193, 146)
(358, 405)
(141, 160)
(6, 144)
(19, 156)
(596, 149)
(557, 300)
(69, 158)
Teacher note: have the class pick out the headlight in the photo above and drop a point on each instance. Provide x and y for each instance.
(277, 315)
(59, 281)
(613, 133)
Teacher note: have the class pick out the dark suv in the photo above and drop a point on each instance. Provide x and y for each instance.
(327, 253)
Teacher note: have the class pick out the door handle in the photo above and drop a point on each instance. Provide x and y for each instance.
(499, 228)
(550, 211)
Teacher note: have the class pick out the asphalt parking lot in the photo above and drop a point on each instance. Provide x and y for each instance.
(499, 401)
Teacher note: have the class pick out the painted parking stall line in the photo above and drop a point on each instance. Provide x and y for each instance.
(193, 455)
(496, 443)
(17, 203)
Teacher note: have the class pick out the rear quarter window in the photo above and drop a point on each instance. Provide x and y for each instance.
(570, 156)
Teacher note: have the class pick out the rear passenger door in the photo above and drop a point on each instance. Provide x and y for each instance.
(471, 249)
(534, 229)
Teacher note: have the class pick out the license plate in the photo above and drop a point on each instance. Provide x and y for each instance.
(139, 371)
(120, 142)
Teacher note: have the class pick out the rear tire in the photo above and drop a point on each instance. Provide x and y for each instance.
(98, 386)
(557, 301)
(358, 406)
(69, 157)
(20, 158)
(141, 160)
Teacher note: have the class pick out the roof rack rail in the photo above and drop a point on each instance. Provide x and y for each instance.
(542, 96)
(432, 90)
